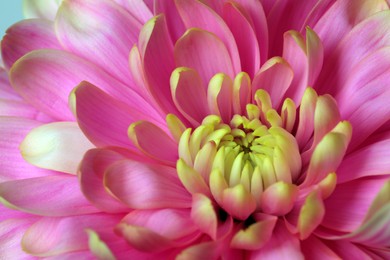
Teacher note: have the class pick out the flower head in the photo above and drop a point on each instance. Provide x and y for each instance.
(198, 129)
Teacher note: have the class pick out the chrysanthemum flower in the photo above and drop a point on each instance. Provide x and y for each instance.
(197, 130)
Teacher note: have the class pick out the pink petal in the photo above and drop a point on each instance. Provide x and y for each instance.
(306, 118)
(204, 215)
(154, 142)
(204, 52)
(345, 249)
(333, 25)
(138, 9)
(275, 76)
(91, 172)
(7, 92)
(294, 53)
(365, 95)
(95, 108)
(282, 245)
(45, 78)
(284, 16)
(174, 22)
(346, 208)
(144, 186)
(315, 55)
(26, 36)
(255, 13)
(197, 15)
(53, 236)
(242, 93)
(143, 239)
(370, 160)
(11, 232)
(245, 37)
(189, 95)
(155, 45)
(314, 248)
(220, 96)
(47, 196)
(137, 71)
(170, 223)
(12, 164)
(345, 53)
(328, 154)
(15, 108)
(206, 250)
(100, 31)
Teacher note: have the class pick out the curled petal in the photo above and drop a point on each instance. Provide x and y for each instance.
(204, 215)
(328, 153)
(256, 235)
(186, 83)
(311, 214)
(238, 202)
(279, 198)
(146, 135)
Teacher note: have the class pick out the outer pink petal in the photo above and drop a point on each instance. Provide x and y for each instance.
(257, 16)
(314, 248)
(91, 172)
(11, 232)
(245, 37)
(365, 96)
(47, 196)
(100, 31)
(145, 186)
(26, 36)
(204, 52)
(12, 164)
(282, 245)
(155, 45)
(348, 205)
(345, 249)
(6, 90)
(365, 38)
(46, 77)
(342, 17)
(104, 119)
(55, 236)
(138, 9)
(197, 15)
(15, 108)
(370, 160)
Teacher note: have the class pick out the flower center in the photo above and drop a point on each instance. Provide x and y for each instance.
(240, 160)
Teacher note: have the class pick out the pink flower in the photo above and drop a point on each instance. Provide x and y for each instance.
(198, 130)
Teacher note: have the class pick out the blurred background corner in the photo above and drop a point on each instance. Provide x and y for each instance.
(10, 13)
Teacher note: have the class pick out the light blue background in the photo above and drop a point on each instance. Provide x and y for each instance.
(10, 13)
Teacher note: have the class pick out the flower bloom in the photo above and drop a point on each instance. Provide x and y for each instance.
(197, 130)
